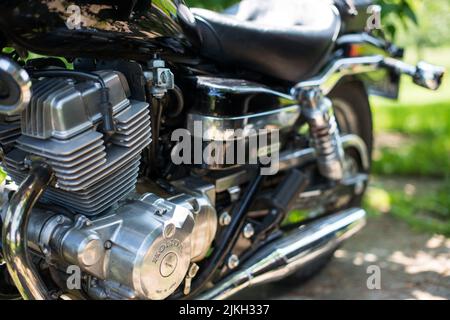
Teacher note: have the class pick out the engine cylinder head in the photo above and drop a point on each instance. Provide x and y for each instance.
(62, 124)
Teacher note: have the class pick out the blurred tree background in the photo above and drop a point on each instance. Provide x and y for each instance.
(412, 155)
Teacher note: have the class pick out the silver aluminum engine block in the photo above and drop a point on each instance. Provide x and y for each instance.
(61, 124)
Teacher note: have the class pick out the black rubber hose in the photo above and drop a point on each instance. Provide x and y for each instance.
(228, 239)
(179, 103)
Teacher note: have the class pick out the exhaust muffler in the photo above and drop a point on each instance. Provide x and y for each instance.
(289, 254)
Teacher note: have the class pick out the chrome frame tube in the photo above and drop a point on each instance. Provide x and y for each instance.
(14, 233)
(336, 70)
(425, 75)
(285, 256)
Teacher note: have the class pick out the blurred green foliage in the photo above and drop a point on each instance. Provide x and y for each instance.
(211, 4)
(422, 119)
(2, 175)
(417, 23)
(397, 13)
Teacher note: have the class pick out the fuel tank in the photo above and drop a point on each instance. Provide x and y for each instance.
(134, 29)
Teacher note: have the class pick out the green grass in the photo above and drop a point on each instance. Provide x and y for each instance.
(426, 211)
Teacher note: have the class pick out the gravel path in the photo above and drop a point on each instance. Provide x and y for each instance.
(413, 266)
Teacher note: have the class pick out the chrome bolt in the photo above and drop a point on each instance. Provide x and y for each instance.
(233, 262)
(248, 231)
(224, 219)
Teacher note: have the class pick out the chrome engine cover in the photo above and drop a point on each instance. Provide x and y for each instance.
(61, 126)
(141, 250)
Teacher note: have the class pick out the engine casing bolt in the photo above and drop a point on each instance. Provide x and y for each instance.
(249, 231)
(233, 262)
(225, 219)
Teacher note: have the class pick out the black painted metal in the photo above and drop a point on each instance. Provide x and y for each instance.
(109, 28)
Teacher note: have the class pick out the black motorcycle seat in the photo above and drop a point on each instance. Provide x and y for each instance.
(284, 39)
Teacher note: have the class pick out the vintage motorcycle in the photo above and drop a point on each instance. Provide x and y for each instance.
(92, 94)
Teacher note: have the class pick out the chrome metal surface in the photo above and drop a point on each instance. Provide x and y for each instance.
(424, 74)
(235, 193)
(61, 125)
(428, 75)
(223, 128)
(201, 199)
(61, 108)
(160, 79)
(141, 250)
(224, 219)
(324, 132)
(293, 159)
(233, 262)
(249, 231)
(148, 254)
(17, 85)
(283, 257)
(336, 70)
(235, 179)
(237, 86)
(14, 233)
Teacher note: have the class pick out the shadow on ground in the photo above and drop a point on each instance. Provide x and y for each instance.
(413, 266)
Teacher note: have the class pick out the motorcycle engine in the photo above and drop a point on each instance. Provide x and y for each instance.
(61, 126)
(126, 245)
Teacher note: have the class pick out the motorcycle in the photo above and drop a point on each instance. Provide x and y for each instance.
(104, 200)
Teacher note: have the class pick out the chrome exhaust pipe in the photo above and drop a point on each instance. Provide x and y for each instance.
(14, 233)
(291, 253)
